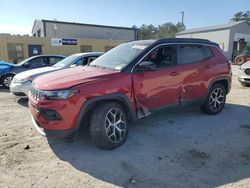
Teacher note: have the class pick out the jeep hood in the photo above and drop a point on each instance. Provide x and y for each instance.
(68, 78)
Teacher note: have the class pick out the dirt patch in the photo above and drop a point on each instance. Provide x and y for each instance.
(193, 159)
(245, 126)
(246, 155)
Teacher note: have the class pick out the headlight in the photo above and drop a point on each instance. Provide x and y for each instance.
(60, 94)
(23, 80)
(247, 71)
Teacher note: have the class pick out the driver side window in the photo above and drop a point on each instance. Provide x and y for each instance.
(38, 62)
(164, 56)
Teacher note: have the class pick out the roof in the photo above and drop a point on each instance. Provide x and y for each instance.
(173, 40)
(212, 28)
(48, 55)
(83, 24)
(186, 40)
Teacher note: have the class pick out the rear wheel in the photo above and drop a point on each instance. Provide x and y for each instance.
(215, 100)
(109, 126)
(239, 60)
(6, 80)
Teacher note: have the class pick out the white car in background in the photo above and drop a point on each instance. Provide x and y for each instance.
(22, 82)
(244, 76)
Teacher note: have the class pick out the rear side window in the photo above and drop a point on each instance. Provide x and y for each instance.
(207, 52)
(189, 53)
(54, 60)
(38, 62)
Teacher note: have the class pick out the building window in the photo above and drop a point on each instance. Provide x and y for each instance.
(15, 51)
(86, 48)
(107, 48)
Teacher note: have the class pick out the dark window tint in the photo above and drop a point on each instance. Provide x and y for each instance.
(81, 61)
(190, 54)
(207, 52)
(54, 60)
(90, 59)
(163, 56)
(85, 60)
(38, 62)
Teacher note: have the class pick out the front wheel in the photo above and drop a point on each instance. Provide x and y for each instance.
(215, 100)
(6, 80)
(109, 126)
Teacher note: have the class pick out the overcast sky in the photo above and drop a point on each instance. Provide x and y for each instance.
(17, 16)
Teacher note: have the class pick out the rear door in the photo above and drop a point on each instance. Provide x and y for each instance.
(162, 86)
(191, 62)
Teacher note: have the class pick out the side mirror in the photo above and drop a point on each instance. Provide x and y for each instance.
(146, 66)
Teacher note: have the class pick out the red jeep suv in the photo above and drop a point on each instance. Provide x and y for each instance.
(130, 81)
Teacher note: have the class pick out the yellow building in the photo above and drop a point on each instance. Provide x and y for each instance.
(17, 48)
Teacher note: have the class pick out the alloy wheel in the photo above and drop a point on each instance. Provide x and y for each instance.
(115, 125)
(217, 99)
(7, 80)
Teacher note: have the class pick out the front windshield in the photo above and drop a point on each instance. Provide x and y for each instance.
(67, 61)
(119, 57)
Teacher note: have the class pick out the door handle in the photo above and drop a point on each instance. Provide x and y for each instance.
(208, 66)
(174, 73)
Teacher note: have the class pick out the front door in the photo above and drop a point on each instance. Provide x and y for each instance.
(34, 49)
(160, 87)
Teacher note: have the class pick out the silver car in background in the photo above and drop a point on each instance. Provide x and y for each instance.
(22, 82)
(244, 76)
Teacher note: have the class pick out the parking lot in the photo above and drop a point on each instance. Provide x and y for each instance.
(177, 148)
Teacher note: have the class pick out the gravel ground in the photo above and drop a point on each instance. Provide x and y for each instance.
(178, 148)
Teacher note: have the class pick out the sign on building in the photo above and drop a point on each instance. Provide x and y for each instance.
(61, 42)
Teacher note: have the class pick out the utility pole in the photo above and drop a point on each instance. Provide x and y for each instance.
(182, 17)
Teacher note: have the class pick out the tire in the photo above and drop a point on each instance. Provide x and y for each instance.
(239, 60)
(6, 80)
(215, 100)
(245, 85)
(104, 133)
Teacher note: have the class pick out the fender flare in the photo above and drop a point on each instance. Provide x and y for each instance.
(220, 79)
(122, 98)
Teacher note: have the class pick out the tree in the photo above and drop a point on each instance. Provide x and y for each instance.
(166, 30)
(146, 32)
(180, 27)
(240, 16)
